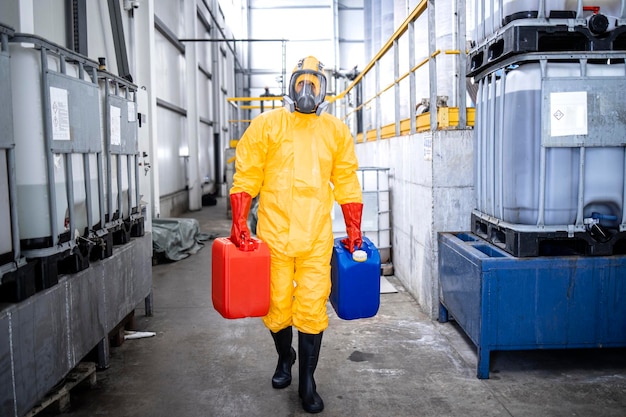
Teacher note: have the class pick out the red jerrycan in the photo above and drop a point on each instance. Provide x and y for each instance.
(241, 279)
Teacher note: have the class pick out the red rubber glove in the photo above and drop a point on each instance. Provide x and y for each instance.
(239, 232)
(352, 215)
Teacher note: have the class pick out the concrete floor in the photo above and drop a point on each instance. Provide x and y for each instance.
(399, 363)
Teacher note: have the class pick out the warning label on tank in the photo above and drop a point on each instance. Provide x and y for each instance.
(60, 114)
(116, 125)
(568, 111)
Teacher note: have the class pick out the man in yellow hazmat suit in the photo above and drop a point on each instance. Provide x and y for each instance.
(290, 156)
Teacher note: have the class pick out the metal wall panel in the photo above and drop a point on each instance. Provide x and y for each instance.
(206, 153)
(6, 365)
(85, 311)
(170, 127)
(52, 331)
(171, 13)
(170, 76)
(40, 345)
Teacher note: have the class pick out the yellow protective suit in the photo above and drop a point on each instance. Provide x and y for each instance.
(291, 160)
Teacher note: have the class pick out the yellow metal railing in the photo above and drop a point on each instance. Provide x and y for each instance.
(457, 116)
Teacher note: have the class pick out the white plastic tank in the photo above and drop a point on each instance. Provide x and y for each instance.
(491, 15)
(31, 152)
(375, 221)
(532, 9)
(509, 173)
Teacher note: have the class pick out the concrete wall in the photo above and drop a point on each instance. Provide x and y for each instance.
(175, 204)
(432, 190)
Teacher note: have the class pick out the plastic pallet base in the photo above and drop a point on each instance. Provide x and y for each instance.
(103, 248)
(47, 271)
(514, 40)
(76, 261)
(523, 244)
(121, 236)
(137, 228)
(18, 285)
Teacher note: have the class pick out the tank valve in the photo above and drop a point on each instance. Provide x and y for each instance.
(598, 24)
(596, 230)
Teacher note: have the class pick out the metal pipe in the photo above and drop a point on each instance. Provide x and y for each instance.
(581, 164)
(479, 136)
(412, 85)
(542, 163)
(490, 146)
(47, 127)
(136, 160)
(15, 236)
(69, 187)
(129, 175)
(396, 90)
(460, 88)
(432, 64)
(101, 190)
(501, 147)
(623, 225)
(87, 173)
(119, 186)
(377, 104)
(107, 146)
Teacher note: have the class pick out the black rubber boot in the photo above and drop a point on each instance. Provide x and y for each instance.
(309, 351)
(286, 357)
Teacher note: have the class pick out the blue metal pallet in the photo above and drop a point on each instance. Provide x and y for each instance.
(506, 303)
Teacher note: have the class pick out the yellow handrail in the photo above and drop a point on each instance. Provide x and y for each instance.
(419, 9)
(446, 117)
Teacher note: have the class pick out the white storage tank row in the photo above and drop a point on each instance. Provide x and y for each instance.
(74, 149)
(551, 151)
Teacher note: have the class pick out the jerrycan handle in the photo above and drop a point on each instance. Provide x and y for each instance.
(248, 245)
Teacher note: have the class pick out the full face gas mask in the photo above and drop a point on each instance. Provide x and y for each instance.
(307, 87)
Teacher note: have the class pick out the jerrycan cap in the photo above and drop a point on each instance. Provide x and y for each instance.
(359, 256)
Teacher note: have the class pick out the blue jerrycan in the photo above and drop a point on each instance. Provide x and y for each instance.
(355, 291)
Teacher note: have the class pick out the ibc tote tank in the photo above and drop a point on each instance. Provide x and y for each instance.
(376, 221)
(57, 135)
(558, 156)
(121, 168)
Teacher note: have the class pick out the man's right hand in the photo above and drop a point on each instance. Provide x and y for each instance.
(239, 232)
